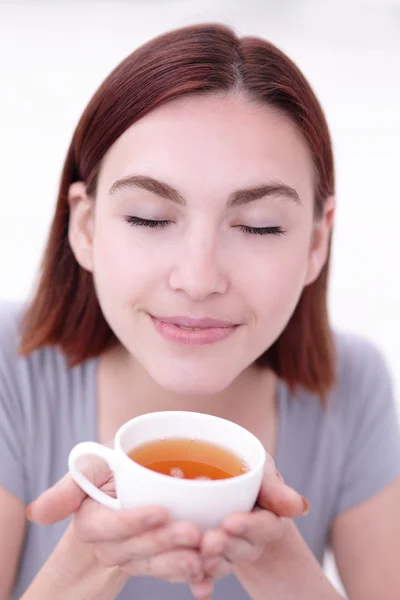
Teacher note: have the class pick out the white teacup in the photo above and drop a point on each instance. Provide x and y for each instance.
(203, 502)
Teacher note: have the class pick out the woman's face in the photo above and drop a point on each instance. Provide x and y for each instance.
(201, 238)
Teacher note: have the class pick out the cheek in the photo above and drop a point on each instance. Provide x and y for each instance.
(122, 267)
(276, 280)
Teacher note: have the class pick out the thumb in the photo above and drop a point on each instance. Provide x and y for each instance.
(57, 503)
(279, 498)
(65, 497)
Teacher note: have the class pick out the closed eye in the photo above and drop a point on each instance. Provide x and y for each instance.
(153, 224)
(139, 222)
(261, 230)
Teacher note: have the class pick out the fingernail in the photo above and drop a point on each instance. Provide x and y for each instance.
(28, 512)
(306, 506)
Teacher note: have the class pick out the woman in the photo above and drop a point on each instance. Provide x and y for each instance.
(196, 200)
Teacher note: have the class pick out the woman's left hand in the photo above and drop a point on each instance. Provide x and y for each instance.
(243, 537)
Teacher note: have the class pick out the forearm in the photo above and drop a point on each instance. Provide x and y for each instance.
(287, 570)
(72, 573)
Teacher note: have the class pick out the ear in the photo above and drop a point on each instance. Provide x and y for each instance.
(320, 241)
(81, 224)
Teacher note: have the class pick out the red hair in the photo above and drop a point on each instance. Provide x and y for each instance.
(200, 59)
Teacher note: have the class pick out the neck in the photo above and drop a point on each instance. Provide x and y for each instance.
(125, 390)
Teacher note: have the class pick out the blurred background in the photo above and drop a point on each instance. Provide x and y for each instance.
(55, 53)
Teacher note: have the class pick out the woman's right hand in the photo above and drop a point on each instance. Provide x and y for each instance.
(140, 541)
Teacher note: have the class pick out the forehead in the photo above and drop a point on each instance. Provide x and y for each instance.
(220, 142)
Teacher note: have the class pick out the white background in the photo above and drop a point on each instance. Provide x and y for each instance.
(54, 54)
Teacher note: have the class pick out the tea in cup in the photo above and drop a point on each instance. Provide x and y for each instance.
(201, 468)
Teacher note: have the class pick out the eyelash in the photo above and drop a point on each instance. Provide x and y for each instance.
(262, 230)
(138, 222)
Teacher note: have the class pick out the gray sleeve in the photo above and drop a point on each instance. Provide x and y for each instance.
(12, 442)
(371, 458)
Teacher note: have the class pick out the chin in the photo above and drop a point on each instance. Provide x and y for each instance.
(206, 383)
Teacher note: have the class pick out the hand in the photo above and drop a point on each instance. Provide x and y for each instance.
(243, 537)
(139, 541)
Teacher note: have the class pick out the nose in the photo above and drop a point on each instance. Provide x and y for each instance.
(198, 271)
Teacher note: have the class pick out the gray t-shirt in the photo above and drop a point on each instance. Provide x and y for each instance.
(336, 458)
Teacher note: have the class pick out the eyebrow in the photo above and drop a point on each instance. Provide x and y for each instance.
(162, 189)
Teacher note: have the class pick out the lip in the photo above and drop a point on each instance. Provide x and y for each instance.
(203, 323)
(208, 331)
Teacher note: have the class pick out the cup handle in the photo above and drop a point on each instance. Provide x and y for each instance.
(108, 455)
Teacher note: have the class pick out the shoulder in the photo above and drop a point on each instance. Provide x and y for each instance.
(367, 429)
(44, 373)
(39, 395)
(11, 315)
(359, 362)
(363, 395)
(362, 376)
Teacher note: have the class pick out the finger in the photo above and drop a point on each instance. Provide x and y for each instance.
(65, 497)
(278, 497)
(160, 540)
(238, 549)
(213, 543)
(175, 566)
(212, 551)
(217, 567)
(218, 545)
(257, 527)
(282, 500)
(202, 590)
(57, 503)
(93, 522)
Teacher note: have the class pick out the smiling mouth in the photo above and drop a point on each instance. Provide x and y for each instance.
(195, 323)
(193, 332)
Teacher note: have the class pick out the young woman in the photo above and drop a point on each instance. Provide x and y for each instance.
(187, 269)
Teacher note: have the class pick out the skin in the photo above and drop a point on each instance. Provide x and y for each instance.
(174, 551)
(206, 148)
(201, 264)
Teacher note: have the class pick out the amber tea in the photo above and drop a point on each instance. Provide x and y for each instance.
(188, 459)
(181, 444)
